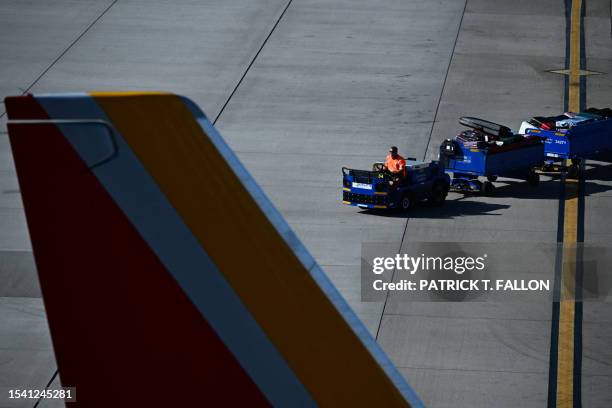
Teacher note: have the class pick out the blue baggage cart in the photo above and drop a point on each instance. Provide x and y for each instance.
(588, 139)
(507, 155)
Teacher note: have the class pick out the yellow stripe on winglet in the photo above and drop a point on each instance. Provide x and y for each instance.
(316, 341)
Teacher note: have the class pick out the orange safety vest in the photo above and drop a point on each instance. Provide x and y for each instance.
(395, 165)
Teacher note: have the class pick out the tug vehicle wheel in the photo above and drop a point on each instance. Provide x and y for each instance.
(439, 192)
(406, 203)
(488, 188)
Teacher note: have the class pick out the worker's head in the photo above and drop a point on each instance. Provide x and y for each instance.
(393, 151)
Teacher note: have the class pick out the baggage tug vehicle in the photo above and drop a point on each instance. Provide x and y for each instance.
(379, 189)
(487, 150)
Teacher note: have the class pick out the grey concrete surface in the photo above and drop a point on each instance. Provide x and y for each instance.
(597, 326)
(337, 82)
(199, 49)
(18, 275)
(35, 33)
(26, 354)
(459, 391)
(53, 403)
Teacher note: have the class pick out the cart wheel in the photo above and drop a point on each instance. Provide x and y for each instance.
(492, 178)
(533, 179)
(406, 203)
(439, 192)
(572, 171)
(474, 186)
(488, 188)
(576, 161)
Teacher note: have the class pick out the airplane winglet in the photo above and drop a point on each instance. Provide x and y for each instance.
(165, 268)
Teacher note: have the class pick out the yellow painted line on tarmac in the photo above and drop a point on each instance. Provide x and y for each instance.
(574, 68)
(567, 299)
(567, 303)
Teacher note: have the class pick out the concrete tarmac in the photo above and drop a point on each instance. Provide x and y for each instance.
(597, 319)
(335, 83)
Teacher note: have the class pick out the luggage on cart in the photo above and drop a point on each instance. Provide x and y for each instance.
(565, 121)
(572, 121)
(489, 150)
(574, 137)
(605, 113)
(472, 138)
(485, 126)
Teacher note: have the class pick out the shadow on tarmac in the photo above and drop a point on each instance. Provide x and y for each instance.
(546, 190)
(465, 205)
(598, 171)
(462, 206)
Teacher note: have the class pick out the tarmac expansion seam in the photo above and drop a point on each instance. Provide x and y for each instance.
(450, 61)
(248, 68)
(61, 55)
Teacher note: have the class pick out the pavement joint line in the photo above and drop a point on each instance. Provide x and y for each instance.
(46, 387)
(244, 74)
(433, 122)
(450, 62)
(59, 57)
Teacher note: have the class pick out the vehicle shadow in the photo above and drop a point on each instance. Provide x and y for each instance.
(474, 205)
(598, 171)
(455, 206)
(546, 190)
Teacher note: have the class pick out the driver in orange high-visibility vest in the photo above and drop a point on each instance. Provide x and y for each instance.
(395, 163)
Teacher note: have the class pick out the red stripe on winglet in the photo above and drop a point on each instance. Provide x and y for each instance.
(23, 107)
(124, 333)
